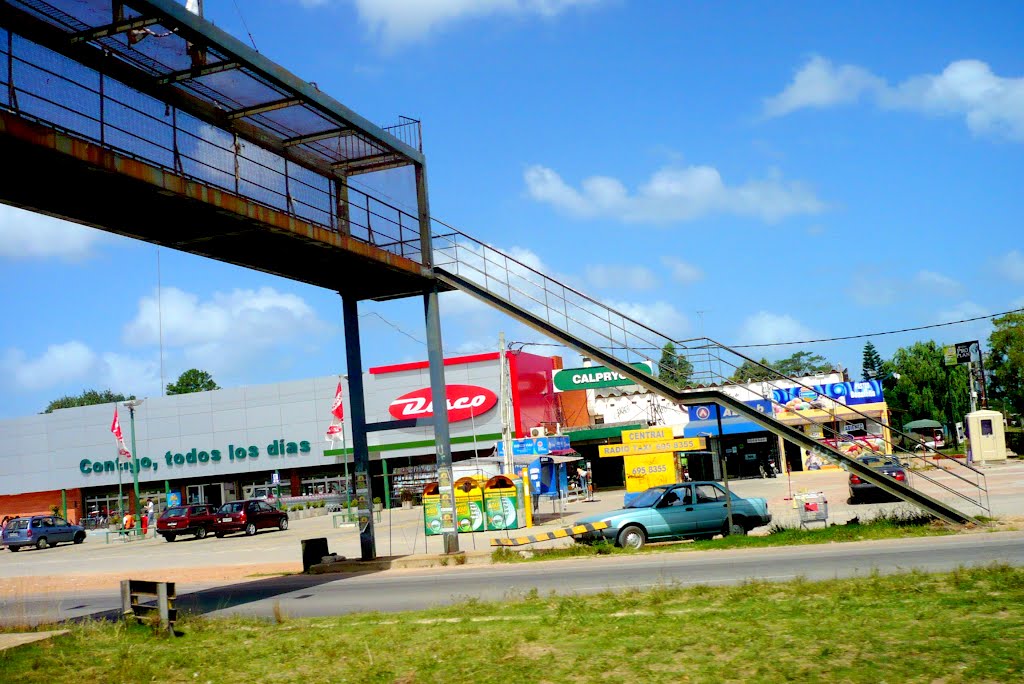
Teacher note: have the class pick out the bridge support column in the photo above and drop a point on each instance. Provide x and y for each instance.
(442, 438)
(360, 445)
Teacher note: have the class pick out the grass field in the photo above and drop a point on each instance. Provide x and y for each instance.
(886, 525)
(965, 626)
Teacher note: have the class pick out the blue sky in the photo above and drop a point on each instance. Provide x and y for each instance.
(792, 171)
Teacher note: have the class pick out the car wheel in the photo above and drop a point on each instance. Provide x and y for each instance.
(852, 501)
(201, 533)
(283, 524)
(218, 535)
(170, 537)
(79, 537)
(737, 528)
(42, 543)
(632, 537)
(250, 529)
(14, 548)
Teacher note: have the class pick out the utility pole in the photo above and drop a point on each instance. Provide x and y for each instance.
(506, 412)
(725, 466)
(135, 464)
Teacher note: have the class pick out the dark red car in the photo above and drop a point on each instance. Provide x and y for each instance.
(194, 519)
(248, 516)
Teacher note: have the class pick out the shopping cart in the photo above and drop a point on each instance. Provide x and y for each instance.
(812, 507)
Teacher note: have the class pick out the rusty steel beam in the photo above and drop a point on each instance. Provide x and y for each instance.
(317, 137)
(264, 219)
(263, 108)
(112, 29)
(198, 72)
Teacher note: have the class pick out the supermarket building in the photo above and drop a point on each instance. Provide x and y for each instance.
(229, 443)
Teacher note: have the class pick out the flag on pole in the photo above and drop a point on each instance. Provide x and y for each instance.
(115, 427)
(338, 409)
(122, 449)
(336, 430)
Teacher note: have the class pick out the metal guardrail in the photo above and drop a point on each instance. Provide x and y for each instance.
(50, 88)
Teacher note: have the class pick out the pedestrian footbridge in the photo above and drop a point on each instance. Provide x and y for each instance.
(141, 118)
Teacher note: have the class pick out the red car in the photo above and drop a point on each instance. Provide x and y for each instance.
(249, 516)
(195, 519)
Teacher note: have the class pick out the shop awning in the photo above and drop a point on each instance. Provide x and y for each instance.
(571, 457)
(600, 432)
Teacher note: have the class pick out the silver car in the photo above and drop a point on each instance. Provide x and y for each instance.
(41, 531)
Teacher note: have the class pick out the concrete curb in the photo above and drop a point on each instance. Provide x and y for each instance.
(10, 640)
(399, 562)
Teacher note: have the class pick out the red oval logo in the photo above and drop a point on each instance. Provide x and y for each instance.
(464, 402)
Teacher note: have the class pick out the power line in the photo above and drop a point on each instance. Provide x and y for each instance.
(879, 334)
(795, 342)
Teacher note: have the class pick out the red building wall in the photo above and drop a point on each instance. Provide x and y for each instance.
(40, 502)
(532, 392)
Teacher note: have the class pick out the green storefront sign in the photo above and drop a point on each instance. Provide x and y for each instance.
(594, 377)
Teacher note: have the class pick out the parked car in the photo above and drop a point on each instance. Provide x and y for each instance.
(249, 515)
(861, 490)
(684, 510)
(194, 519)
(41, 531)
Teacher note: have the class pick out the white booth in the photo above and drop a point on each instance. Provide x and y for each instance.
(986, 438)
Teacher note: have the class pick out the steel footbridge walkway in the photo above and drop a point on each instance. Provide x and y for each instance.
(140, 118)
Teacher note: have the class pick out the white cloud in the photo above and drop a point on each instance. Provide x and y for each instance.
(821, 84)
(1011, 265)
(403, 21)
(990, 104)
(768, 328)
(609, 277)
(59, 364)
(681, 271)
(26, 235)
(660, 316)
(673, 194)
(226, 331)
(936, 283)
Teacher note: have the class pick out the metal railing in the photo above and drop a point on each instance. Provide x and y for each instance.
(47, 87)
(699, 363)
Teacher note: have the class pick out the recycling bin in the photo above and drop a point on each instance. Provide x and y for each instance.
(469, 504)
(503, 501)
(431, 509)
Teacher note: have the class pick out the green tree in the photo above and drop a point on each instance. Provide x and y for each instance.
(86, 398)
(803, 363)
(927, 388)
(674, 368)
(871, 367)
(751, 372)
(192, 380)
(1004, 364)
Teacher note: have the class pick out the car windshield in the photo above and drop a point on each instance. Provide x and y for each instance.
(233, 507)
(878, 460)
(174, 512)
(646, 499)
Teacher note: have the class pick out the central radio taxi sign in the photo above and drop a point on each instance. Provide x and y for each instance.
(652, 447)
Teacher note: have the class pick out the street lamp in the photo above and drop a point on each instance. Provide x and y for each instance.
(131, 405)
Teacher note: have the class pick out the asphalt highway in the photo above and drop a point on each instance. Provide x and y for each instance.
(397, 590)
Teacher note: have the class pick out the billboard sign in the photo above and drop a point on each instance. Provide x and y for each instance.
(594, 377)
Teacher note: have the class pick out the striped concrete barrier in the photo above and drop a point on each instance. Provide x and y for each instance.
(560, 533)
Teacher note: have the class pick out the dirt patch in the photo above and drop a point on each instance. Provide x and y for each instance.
(13, 587)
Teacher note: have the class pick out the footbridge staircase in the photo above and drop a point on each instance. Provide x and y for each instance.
(944, 486)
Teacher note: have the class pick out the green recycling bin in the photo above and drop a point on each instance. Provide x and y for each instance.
(469, 504)
(503, 497)
(431, 509)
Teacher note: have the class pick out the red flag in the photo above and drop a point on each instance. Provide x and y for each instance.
(337, 408)
(115, 427)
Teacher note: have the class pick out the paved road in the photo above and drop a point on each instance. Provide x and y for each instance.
(303, 596)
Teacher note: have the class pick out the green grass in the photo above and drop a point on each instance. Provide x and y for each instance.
(885, 525)
(964, 626)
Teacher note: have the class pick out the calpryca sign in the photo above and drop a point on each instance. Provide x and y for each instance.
(464, 402)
